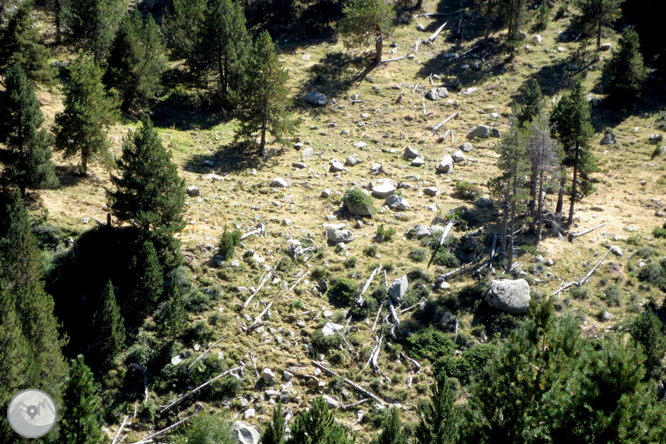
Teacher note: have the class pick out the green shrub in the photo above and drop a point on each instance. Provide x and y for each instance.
(196, 302)
(467, 190)
(358, 197)
(350, 262)
(634, 240)
(370, 250)
(215, 318)
(430, 343)
(652, 274)
(385, 234)
(418, 254)
(209, 428)
(660, 232)
(227, 243)
(320, 273)
(226, 387)
(542, 16)
(446, 258)
(325, 343)
(344, 291)
(284, 264)
(613, 295)
(579, 292)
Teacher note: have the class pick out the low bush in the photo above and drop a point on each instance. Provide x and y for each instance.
(370, 250)
(385, 234)
(227, 243)
(418, 254)
(343, 290)
(467, 190)
(431, 344)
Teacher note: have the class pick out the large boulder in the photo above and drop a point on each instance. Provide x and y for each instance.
(480, 131)
(398, 289)
(246, 433)
(278, 182)
(446, 165)
(410, 153)
(315, 98)
(398, 203)
(330, 329)
(358, 209)
(509, 296)
(337, 236)
(458, 156)
(609, 138)
(336, 166)
(437, 93)
(383, 189)
(466, 147)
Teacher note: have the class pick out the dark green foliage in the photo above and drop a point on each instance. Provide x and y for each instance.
(182, 25)
(624, 74)
(109, 328)
(90, 25)
(417, 254)
(149, 191)
(514, 16)
(596, 13)
(147, 285)
(89, 111)
(542, 16)
(317, 425)
(343, 291)
(438, 415)
(385, 233)
(533, 102)
(366, 21)
(136, 61)
(34, 167)
(81, 421)
(209, 428)
(276, 429)
(371, 250)
(469, 365)
(173, 316)
(357, 197)
(647, 331)
(431, 344)
(228, 242)
(264, 105)
(445, 258)
(222, 50)
(320, 273)
(653, 274)
(325, 343)
(660, 232)
(20, 43)
(467, 190)
(392, 429)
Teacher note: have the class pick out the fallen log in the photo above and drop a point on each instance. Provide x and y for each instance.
(260, 230)
(436, 14)
(350, 383)
(377, 317)
(149, 439)
(393, 313)
(587, 276)
(437, 127)
(573, 236)
(416, 46)
(375, 365)
(293, 286)
(120, 430)
(420, 302)
(204, 353)
(416, 365)
(263, 282)
(392, 60)
(469, 51)
(348, 406)
(436, 33)
(257, 320)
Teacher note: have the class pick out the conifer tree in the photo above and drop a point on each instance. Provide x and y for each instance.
(182, 25)
(366, 20)
(276, 429)
(20, 110)
(89, 111)
(647, 331)
(514, 16)
(136, 61)
(20, 43)
(90, 25)
(438, 416)
(597, 13)
(147, 286)
(624, 73)
(34, 167)
(533, 104)
(110, 328)
(264, 106)
(489, 10)
(173, 315)
(571, 123)
(81, 421)
(149, 191)
(223, 47)
(392, 429)
(317, 426)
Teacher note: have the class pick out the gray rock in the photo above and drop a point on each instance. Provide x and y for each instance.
(337, 166)
(437, 94)
(288, 376)
(537, 38)
(326, 193)
(337, 236)
(446, 165)
(509, 296)
(420, 27)
(315, 98)
(606, 316)
(609, 139)
(494, 132)
(235, 263)
(358, 209)
(605, 47)
(307, 153)
(398, 203)
(330, 329)
(656, 138)
(299, 165)
(249, 413)
(383, 189)
(193, 191)
(410, 153)
(484, 202)
(279, 183)
(330, 402)
(421, 231)
(617, 251)
(268, 376)
(458, 156)
(245, 433)
(522, 35)
(431, 191)
(360, 145)
(418, 162)
(353, 160)
(298, 145)
(466, 147)
(285, 396)
(398, 289)
(480, 131)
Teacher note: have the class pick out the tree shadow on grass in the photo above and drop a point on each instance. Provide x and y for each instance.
(227, 159)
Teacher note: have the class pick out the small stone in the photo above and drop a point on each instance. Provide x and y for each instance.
(431, 191)
(420, 27)
(193, 191)
(336, 166)
(466, 147)
(299, 165)
(326, 193)
(279, 183)
(298, 145)
(249, 413)
(617, 251)
(410, 153)
(268, 376)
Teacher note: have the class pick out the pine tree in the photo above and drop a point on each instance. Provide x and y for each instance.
(597, 13)
(109, 327)
(624, 73)
(173, 315)
(147, 286)
(34, 167)
(264, 106)
(90, 25)
(89, 111)
(514, 16)
(488, 9)
(136, 61)
(20, 110)
(317, 426)
(533, 104)
(182, 26)
(438, 416)
(647, 331)
(223, 47)
(275, 430)
(571, 123)
(149, 191)
(392, 430)
(20, 43)
(81, 421)
(366, 20)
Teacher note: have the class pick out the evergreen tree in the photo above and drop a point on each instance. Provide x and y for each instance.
(366, 20)
(647, 331)
(275, 430)
(149, 191)
(222, 48)
(20, 43)
(90, 25)
(489, 10)
(624, 73)
(438, 416)
(264, 106)
(34, 167)
(20, 110)
(136, 61)
(571, 123)
(533, 104)
(89, 111)
(173, 315)
(597, 13)
(317, 426)
(81, 421)
(514, 16)
(110, 328)
(182, 25)
(147, 286)
(392, 430)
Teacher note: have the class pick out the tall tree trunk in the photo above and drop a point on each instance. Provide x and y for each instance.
(419, 5)
(509, 264)
(262, 143)
(220, 68)
(58, 25)
(560, 193)
(505, 218)
(599, 35)
(539, 212)
(573, 188)
(533, 197)
(379, 47)
(84, 162)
